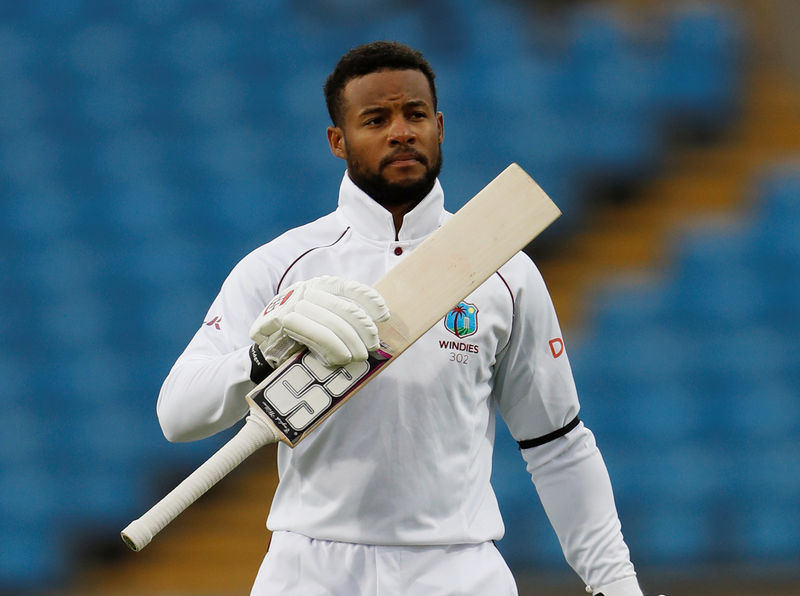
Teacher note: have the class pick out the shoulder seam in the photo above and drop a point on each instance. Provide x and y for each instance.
(310, 250)
(513, 306)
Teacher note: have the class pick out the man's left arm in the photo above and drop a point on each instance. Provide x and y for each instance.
(575, 490)
(536, 395)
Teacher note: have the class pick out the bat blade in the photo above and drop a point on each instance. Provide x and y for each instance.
(444, 269)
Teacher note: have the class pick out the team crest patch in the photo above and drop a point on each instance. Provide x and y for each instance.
(462, 321)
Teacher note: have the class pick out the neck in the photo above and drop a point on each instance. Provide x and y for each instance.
(398, 212)
(396, 199)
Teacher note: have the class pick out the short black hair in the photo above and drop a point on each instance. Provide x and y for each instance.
(368, 58)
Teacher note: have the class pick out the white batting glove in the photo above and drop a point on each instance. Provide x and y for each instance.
(334, 318)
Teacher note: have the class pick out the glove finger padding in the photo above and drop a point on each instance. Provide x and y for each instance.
(319, 339)
(325, 333)
(367, 297)
(351, 314)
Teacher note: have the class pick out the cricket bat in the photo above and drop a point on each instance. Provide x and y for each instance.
(421, 289)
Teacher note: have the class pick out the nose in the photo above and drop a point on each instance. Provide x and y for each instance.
(400, 133)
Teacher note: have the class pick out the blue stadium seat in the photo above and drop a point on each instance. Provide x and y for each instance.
(198, 45)
(720, 360)
(249, 11)
(22, 438)
(707, 37)
(20, 104)
(652, 353)
(215, 99)
(628, 305)
(775, 239)
(769, 465)
(101, 500)
(30, 494)
(763, 409)
(672, 533)
(713, 248)
(134, 159)
(719, 279)
(771, 530)
(35, 552)
(30, 159)
(619, 145)
(778, 190)
(721, 298)
(69, 12)
(497, 31)
(666, 412)
(595, 34)
(34, 558)
(408, 27)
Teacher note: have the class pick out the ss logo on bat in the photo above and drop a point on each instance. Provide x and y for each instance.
(307, 389)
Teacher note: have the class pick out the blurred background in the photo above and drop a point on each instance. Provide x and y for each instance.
(146, 146)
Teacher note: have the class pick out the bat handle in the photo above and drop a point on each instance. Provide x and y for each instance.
(256, 433)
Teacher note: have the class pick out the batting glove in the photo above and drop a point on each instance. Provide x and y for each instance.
(334, 318)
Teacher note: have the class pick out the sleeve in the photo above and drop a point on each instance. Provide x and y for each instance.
(533, 384)
(536, 395)
(575, 490)
(204, 391)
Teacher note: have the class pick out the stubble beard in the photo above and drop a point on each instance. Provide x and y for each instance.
(395, 194)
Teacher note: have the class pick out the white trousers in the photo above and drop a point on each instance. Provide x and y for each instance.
(299, 566)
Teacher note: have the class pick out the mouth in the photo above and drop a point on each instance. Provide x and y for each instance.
(404, 159)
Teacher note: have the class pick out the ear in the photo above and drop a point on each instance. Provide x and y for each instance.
(440, 124)
(336, 142)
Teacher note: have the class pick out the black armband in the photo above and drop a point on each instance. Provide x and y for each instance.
(259, 369)
(527, 444)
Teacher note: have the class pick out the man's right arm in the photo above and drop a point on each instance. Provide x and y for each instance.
(205, 389)
(204, 392)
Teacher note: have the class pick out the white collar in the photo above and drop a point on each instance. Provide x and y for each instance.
(371, 220)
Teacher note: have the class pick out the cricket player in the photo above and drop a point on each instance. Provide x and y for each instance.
(391, 495)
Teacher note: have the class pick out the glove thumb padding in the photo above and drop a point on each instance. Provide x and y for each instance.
(270, 321)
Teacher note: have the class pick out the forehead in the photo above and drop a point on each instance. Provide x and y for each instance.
(385, 86)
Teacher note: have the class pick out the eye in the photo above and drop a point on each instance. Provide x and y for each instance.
(374, 121)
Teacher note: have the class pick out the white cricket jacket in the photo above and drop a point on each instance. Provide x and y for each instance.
(407, 461)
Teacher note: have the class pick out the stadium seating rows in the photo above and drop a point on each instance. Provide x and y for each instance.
(689, 383)
(148, 146)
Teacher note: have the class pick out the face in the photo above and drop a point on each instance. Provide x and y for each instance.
(390, 136)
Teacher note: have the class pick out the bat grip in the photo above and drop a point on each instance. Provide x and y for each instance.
(254, 434)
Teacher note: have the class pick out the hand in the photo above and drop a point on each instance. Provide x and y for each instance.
(604, 594)
(334, 318)
(624, 587)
